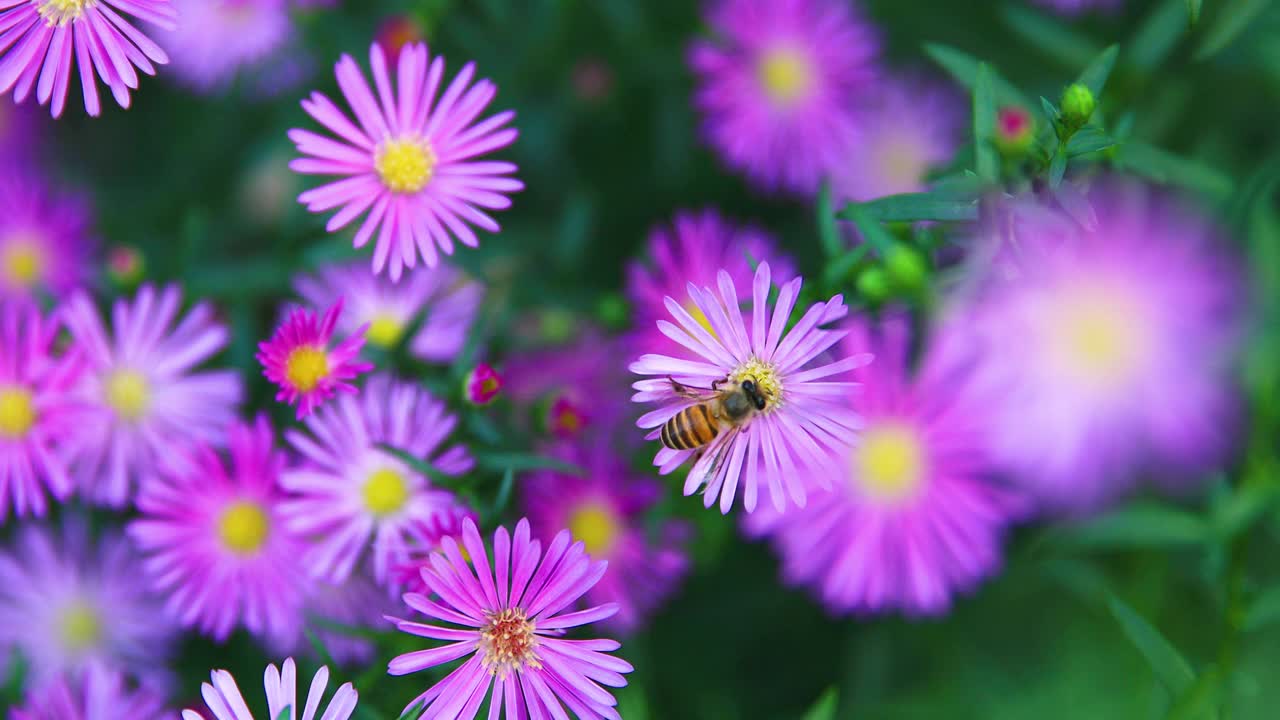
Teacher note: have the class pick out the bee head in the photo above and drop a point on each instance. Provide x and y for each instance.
(753, 393)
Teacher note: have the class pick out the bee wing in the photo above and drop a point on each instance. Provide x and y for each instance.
(691, 393)
(708, 480)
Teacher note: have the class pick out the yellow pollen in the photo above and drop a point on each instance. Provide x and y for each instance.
(305, 367)
(385, 331)
(80, 626)
(17, 412)
(1098, 337)
(766, 378)
(21, 262)
(889, 465)
(385, 492)
(596, 526)
(57, 13)
(244, 527)
(508, 642)
(128, 393)
(786, 75)
(405, 166)
(696, 312)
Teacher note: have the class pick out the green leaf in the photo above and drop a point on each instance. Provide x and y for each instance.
(1099, 69)
(1157, 35)
(984, 122)
(1264, 610)
(284, 712)
(1170, 668)
(319, 647)
(1138, 526)
(836, 271)
(1231, 20)
(872, 232)
(1242, 508)
(504, 492)
(1050, 111)
(828, 233)
(825, 707)
(1056, 39)
(964, 68)
(1193, 12)
(516, 462)
(1200, 700)
(910, 207)
(1165, 167)
(1089, 139)
(1057, 166)
(414, 711)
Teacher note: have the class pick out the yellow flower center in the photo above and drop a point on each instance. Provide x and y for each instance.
(508, 642)
(17, 412)
(80, 626)
(786, 76)
(305, 367)
(243, 527)
(406, 165)
(696, 313)
(57, 13)
(765, 376)
(889, 465)
(385, 330)
(596, 526)
(21, 261)
(128, 393)
(385, 492)
(1098, 336)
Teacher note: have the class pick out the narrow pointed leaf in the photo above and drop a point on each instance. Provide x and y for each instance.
(828, 233)
(964, 68)
(1049, 35)
(984, 122)
(1138, 526)
(1099, 69)
(825, 707)
(1233, 18)
(1165, 167)
(1193, 12)
(910, 207)
(1168, 665)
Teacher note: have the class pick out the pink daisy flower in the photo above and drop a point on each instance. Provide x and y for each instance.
(226, 703)
(778, 85)
(215, 542)
(95, 693)
(38, 410)
(45, 244)
(144, 396)
(298, 359)
(795, 415)
(40, 36)
(411, 161)
(442, 525)
(512, 624)
(605, 510)
(913, 518)
(353, 498)
(217, 38)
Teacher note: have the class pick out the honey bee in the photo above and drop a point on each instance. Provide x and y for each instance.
(727, 405)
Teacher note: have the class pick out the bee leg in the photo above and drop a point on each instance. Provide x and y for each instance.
(682, 390)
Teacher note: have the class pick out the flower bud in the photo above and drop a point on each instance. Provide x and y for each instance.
(565, 419)
(906, 267)
(1077, 106)
(481, 385)
(873, 284)
(1015, 131)
(125, 265)
(398, 31)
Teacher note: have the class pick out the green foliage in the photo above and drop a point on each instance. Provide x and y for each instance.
(1168, 665)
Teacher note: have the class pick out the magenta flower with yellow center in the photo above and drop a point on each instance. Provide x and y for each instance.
(410, 163)
(507, 618)
(298, 358)
(45, 244)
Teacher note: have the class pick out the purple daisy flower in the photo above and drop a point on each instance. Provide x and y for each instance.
(145, 398)
(913, 519)
(20, 132)
(694, 249)
(299, 360)
(443, 298)
(411, 162)
(226, 703)
(911, 126)
(95, 693)
(45, 244)
(802, 418)
(1108, 318)
(41, 35)
(218, 37)
(353, 495)
(215, 542)
(511, 627)
(442, 525)
(778, 85)
(38, 410)
(605, 510)
(68, 600)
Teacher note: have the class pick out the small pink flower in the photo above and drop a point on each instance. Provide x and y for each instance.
(299, 360)
(482, 385)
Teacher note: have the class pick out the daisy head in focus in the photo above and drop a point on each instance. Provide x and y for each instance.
(755, 406)
(505, 613)
(45, 40)
(299, 360)
(223, 698)
(145, 398)
(87, 694)
(410, 164)
(354, 497)
(914, 515)
(208, 522)
(778, 84)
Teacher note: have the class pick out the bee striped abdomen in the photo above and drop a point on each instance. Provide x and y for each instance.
(691, 428)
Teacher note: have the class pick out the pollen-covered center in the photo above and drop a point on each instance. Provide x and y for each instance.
(17, 412)
(385, 330)
(305, 367)
(405, 165)
(767, 379)
(1097, 337)
(57, 13)
(596, 525)
(785, 74)
(508, 642)
(889, 464)
(243, 527)
(79, 626)
(22, 262)
(385, 492)
(128, 393)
